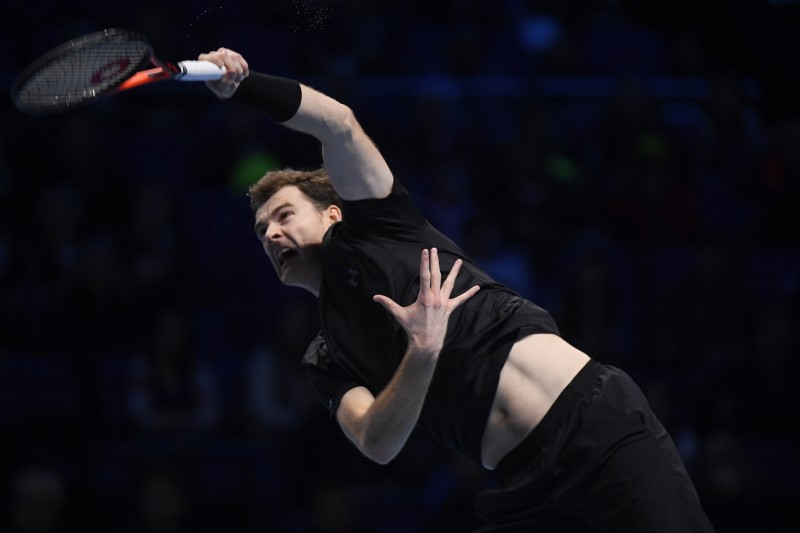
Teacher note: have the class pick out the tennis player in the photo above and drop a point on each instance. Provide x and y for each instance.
(414, 333)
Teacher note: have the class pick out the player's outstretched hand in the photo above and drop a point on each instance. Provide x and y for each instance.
(425, 321)
(236, 70)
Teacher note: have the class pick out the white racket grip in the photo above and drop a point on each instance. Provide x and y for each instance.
(199, 71)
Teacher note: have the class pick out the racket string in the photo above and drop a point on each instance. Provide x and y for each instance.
(83, 72)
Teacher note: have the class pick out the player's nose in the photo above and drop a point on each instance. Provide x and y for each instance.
(273, 232)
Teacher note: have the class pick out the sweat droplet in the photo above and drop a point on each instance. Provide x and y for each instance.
(314, 14)
(206, 18)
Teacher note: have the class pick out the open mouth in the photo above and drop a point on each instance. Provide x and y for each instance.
(284, 254)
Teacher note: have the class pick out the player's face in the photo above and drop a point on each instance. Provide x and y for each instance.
(290, 228)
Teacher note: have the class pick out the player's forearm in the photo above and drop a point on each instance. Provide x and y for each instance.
(295, 105)
(393, 415)
(323, 117)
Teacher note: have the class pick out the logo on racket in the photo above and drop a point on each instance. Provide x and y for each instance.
(110, 70)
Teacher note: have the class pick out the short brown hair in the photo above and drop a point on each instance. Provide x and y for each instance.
(316, 184)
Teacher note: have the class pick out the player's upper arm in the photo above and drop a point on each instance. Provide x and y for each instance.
(354, 163)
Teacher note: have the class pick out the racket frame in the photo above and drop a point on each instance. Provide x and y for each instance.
(141, 75)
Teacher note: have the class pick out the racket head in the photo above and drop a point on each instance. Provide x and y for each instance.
(80, 70)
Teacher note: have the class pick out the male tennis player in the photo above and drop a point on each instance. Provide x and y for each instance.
(574, 443)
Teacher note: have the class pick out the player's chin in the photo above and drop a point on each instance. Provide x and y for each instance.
(280, 271)
(284, 272)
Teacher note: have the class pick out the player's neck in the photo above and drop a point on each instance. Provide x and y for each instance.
(313, 284)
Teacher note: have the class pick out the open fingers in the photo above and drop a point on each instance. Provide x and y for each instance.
(460, 299)
(388, 303)
(450, 281)
(431, 277)
(424, 271)
(436, 273)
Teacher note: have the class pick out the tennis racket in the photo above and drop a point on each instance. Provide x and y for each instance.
(95, 66)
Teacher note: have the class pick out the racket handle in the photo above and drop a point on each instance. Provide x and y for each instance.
(199, 71)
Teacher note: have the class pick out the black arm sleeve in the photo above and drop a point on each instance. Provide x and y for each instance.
(278, 97)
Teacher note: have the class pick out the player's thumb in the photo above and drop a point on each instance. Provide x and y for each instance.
(387, 303)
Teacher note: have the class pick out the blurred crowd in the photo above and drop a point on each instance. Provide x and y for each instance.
(619, 165)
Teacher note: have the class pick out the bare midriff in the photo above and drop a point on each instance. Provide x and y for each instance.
(538, 368)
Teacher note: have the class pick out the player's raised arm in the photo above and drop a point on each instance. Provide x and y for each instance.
(355, 165)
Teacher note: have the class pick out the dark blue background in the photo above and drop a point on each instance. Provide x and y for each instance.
(631, 166)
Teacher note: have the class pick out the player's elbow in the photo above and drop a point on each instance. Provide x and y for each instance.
(377, 451)
(344, 123)
(382, 457)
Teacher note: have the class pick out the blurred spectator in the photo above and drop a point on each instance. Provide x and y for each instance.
(770, 372)
(590, 310)
(778, 217)
(705, 321)
(278, 397)
(156, 246)
(724, 470)
(648, 195)
(504, 261)
(776, 342)
(82, 146)
(728, 160)
(450, 199)
(738, 138)
(335, 507)
(98, 315)
(172, 393)
(61, 214)
(38, 502)
(162, 504)
(44, 256)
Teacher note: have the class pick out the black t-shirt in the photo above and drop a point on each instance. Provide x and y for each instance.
(376, 250)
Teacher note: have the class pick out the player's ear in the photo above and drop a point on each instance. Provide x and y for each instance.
(333, 213)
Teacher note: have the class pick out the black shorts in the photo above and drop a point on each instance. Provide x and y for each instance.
(598, 461)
